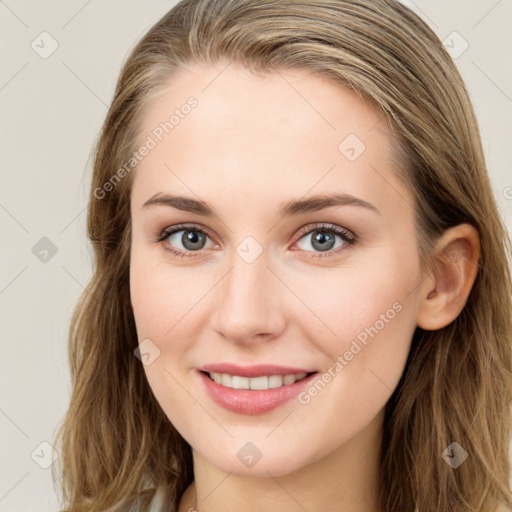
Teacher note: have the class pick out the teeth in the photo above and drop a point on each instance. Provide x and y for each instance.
(239, 382)
(275, 381)
(288, 379)
(260, 382)
(256, 383)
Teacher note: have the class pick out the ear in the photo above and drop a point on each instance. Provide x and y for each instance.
(444, 292)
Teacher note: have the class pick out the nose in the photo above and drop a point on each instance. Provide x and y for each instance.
(249, 303)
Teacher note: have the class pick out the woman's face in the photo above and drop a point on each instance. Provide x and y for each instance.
(257, 290)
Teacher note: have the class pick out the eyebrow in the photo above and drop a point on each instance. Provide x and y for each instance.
(295, 207)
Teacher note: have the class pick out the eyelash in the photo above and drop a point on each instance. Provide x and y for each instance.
(347, 237)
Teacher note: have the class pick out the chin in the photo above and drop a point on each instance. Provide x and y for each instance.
(273, 460)
(275, 467)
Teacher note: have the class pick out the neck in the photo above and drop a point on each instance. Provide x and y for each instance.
(346, 479)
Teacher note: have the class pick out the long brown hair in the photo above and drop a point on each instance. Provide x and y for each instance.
(117, 446)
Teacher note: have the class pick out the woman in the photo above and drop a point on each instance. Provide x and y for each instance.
(301, 296)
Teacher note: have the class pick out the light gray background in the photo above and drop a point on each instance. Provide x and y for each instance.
(51, 113)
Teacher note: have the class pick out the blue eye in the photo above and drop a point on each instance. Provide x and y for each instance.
(193, 239)
(323, 238)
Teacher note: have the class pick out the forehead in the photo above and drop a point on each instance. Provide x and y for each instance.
(289, 132)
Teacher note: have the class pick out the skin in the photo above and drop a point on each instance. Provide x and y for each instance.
(251, 145)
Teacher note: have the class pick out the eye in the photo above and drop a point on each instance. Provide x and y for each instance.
(322, 238)
(191, 238)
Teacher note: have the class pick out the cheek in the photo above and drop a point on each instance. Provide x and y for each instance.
(371, 313)
(371, 317)
(161, 299)
(364, 300)
(161, 296)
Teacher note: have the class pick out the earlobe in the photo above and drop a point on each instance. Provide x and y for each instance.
(445, 291)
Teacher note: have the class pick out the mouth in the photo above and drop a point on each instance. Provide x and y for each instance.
(258, 390)
(261, 383)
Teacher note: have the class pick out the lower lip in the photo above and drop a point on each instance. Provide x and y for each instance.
(246, 401)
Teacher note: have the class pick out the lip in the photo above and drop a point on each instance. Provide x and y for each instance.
(252, 402)
(259, 370)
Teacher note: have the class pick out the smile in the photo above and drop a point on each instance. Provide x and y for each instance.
(260, 390)
(255, 383)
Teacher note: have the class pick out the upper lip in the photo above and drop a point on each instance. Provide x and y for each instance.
(258, 370)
